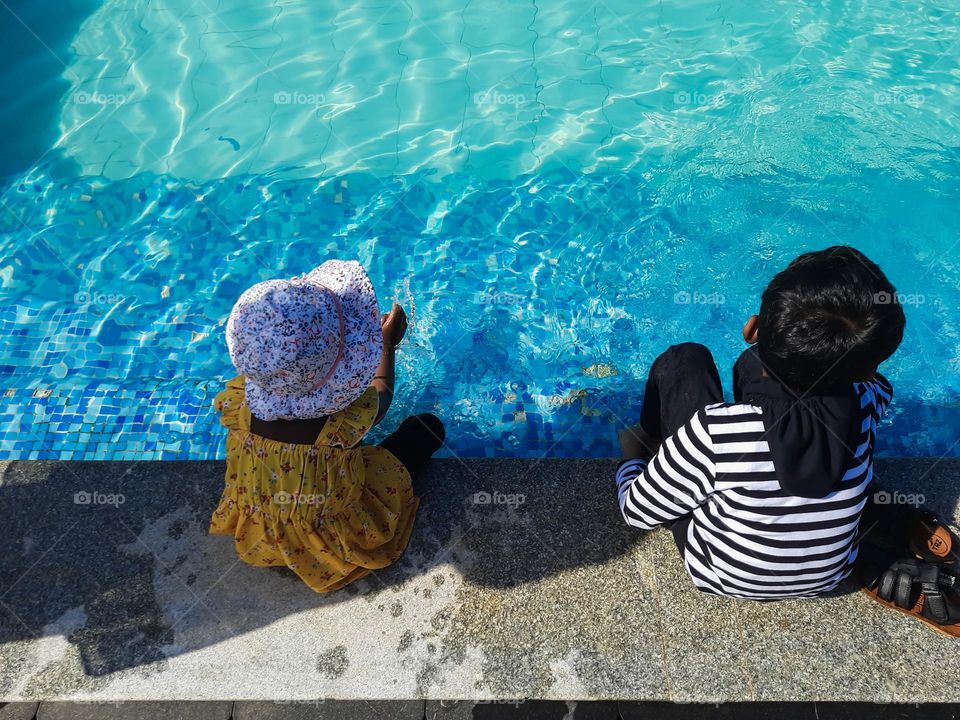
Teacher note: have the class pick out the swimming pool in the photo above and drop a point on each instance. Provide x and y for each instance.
(556, 191)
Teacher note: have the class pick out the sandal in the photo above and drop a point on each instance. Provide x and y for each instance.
(922, 590)
(931, 540)
(919, 533)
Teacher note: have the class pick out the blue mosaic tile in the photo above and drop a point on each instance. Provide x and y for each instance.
(533, 319)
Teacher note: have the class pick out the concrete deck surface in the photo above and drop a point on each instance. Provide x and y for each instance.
(468, 710)
(541, 593)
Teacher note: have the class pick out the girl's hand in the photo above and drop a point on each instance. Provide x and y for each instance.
(394, 326)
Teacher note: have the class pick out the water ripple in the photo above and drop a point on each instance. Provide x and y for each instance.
(500, 89)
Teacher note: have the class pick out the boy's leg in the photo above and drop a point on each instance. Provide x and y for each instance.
(747, 367)
(682, 381)
(415, 441)
(679, 530)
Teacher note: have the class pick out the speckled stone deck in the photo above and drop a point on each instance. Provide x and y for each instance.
(111, 590)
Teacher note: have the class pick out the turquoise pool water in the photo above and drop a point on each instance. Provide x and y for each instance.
(557, 191)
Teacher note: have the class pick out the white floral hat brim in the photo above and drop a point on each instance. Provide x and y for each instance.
(362, 348)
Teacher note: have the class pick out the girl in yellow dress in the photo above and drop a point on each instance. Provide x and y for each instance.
(316, 364)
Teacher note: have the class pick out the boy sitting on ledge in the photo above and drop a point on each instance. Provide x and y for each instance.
(766, 496)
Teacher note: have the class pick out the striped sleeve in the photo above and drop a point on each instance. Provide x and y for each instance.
(678, 478)
(878, 393)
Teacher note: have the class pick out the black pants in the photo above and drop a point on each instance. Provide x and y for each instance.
(681, 382)
(415, 441)
(884, 533)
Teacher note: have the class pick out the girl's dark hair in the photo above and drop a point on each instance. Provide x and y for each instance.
(827, 320)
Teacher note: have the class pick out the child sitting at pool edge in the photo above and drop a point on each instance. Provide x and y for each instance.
(770, 496)
(316, 364)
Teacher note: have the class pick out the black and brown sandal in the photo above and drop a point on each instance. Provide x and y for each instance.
(920, 589)
(932, 541)
(916, 532)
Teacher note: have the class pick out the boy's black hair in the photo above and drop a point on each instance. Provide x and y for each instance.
(827, 320)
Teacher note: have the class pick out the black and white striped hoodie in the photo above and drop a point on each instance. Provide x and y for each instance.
(755, 532)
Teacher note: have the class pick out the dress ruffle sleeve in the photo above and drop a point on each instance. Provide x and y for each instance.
(346, 428)
(232, 406)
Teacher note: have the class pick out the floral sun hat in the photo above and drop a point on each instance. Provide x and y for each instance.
(309, 346)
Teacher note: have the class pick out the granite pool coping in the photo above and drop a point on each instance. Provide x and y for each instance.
(470, 710)
(110, 590)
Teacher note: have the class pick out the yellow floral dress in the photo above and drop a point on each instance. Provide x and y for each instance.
(331, 512)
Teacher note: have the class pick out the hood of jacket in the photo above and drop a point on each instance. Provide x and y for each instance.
(812, 437)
